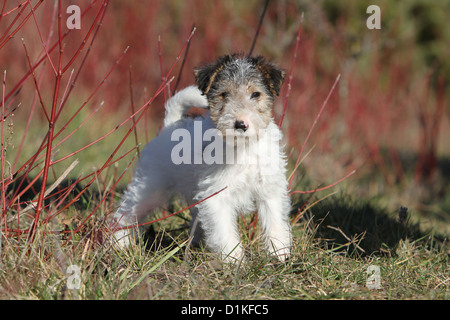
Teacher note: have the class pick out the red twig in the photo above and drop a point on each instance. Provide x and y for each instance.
(30, 116)
(95, 175)
(108, 162)
(3, 195)
(87, 101)
(64, 96)
(11, 24)
(182, 63)
(326, 187)
(38, 91)
(40, 36)
(83, 43)
(253, 223)
(300, 212)
(72, 85)
(3, 10)
(49, 145)
(106, 196)
(78, 195)
(4, 14)
(51, 127)
(132, 112)
(143, 108)
(258, 29)
(2, 44)
(170, 215)
(163, 78)
(291, 73)
(312, 127)
(31, 161)
(22, 80)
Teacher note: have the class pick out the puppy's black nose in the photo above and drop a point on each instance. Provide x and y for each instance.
(239, 124)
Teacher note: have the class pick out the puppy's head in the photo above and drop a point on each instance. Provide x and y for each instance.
(240, 91)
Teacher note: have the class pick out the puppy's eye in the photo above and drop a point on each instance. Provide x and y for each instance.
(255, 95)
(224, 95)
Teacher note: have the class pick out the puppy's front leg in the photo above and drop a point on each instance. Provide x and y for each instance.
(219, 223)
(274, 218)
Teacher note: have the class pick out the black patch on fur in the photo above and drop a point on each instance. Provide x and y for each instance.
(273, 76)
(204, 76)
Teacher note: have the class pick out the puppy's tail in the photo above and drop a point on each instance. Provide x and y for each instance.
(179, 104)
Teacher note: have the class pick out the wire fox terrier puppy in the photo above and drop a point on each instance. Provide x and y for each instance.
(230, 156)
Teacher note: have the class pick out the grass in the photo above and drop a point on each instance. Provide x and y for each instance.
(388, 123)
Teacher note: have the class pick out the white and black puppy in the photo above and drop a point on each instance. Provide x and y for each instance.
(235, 147)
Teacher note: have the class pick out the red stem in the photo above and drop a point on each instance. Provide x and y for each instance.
(291, 73)
(35, 82)
(3, 195)
(20, 25)
(326, 187)
(132, 112)
(312, 127)
(83, 43)
(19, 84)
(163, 79)
(51, 128)
(40, 36)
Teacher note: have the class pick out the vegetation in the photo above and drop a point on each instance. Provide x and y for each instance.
(365, 114)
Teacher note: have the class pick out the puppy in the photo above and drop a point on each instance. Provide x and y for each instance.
(227, 162)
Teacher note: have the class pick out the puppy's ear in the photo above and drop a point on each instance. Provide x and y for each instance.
(273, 76)
(204, 76)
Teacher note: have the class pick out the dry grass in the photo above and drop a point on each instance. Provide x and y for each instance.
(169, 269)
(389, 122)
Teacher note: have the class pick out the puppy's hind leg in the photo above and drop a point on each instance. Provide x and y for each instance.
(138, 201)
(196, 232)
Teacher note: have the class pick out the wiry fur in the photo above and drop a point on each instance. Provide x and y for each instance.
(239, 94)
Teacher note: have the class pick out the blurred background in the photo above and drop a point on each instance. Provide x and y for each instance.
(388, 118)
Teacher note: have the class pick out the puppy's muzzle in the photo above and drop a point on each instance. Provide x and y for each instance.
(240, 124)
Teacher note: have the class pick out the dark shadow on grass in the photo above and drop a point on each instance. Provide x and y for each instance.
(30, 192)
(362, 228)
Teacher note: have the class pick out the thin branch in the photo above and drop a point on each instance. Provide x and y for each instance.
(291, 73)
(40, 36)
(19, 84)
(2, 44)
(83, 43)
(326, 187)
(132, 111)
(266, 4)
(3, 156)
(183, 62)
(51, 127)
(312, 127)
